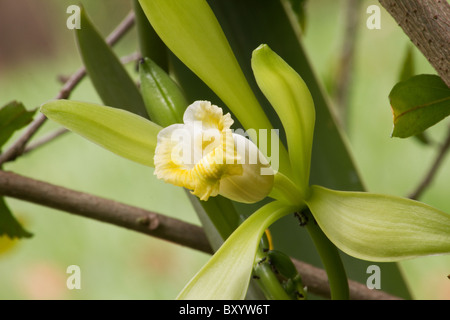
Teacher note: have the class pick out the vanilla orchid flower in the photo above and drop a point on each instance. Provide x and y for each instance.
(206, 157)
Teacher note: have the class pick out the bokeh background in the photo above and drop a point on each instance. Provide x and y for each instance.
(36, 48)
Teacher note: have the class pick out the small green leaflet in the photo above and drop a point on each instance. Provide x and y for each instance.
(9, 225)
(13, 116)
(418, 103)
(407, 71)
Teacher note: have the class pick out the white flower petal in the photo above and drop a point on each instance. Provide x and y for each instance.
(253, 185)
(204, 156)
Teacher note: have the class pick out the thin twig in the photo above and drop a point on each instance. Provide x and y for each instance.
(346, 60)
(121, 29)
(18, 146)
(150, 223)
(433, 169)
(44, 140)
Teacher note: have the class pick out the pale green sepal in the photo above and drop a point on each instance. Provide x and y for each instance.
(286, 191)
(291, 99)
(116, 130)
(227, 274)
(378, 227)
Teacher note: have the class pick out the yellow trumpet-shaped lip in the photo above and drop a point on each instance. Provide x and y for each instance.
(203, 155)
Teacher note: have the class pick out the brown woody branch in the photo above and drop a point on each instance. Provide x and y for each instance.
(427, 24)
(316, 280)
(151, 223)
(105, 210)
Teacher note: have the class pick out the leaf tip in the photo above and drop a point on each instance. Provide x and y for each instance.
(262, 49)
(47, 107)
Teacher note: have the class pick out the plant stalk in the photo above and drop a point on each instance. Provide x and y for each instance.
(267, 279)
(330, 257)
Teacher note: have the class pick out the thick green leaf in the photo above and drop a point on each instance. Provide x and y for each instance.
(298, 6)
(163, 98)
(13, 116)
(9, 225)
(378, 227)
(151, 45)
(291, 99)
(227, 274)
(116, 130)
(109, 77)
(418, 103)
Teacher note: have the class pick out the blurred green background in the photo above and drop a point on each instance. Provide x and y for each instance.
(36, 48)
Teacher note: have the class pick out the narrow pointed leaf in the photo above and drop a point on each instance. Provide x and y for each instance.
(418, 103)
(13, 116)
(122, 132)
(291, 99)
(9, 226)
(380, 227)
(227, 274)
(407, 71)
(109, 77)
(163, 98)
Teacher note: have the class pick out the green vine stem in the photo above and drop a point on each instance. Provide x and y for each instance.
(330, 257)
(267, 280)
(287, 191)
